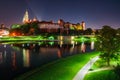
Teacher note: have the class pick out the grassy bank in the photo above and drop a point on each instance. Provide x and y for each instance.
(100, 71)
(62, 69)
(102, 75)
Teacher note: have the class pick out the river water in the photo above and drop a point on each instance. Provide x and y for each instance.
(18, 58)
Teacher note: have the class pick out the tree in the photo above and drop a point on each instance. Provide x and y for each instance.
(118, 31)
(34, 28)
(108, 43)
(15, 32)
(117, 70)
(25, 28)
(88, 31)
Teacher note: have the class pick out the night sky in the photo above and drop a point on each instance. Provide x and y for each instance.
(95, 13)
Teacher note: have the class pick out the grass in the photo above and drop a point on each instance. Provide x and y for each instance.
(100, 71)
(102, 75)
(62, 69)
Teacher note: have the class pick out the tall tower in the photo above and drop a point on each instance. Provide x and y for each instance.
(83, 25)
(26, 17)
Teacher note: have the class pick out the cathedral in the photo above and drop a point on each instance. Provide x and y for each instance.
(26, 18)
(50, 26)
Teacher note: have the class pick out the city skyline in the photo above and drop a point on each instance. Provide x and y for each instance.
(95, 13)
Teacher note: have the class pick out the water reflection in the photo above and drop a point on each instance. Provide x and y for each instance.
(83, 47)
(59, 54)
(61, 43)
(92, 45)
(26, 58)
(1, 57)
(51, 43)
(4, 45)
(14, 60)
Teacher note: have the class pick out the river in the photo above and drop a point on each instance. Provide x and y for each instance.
(18, 58)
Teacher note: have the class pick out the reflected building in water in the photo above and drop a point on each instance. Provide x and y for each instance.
(1, 57)
(13, 55)
(83, 47)
(92, 45)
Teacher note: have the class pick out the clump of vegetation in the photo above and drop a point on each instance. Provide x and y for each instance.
(108, 43)
(102, 75)
(117, 70)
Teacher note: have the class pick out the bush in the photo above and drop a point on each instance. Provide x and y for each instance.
(117, 70)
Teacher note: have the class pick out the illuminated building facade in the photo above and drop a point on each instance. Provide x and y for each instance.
(61, 26)
(3, 30)
(26, 17)
(83, 25)
(49, 27)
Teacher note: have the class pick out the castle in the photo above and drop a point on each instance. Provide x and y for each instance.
(50, 26)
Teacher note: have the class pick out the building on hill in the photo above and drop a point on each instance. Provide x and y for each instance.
(26, 18)
(83, 25)
(4, 31)
(49, 27)
(60, 27)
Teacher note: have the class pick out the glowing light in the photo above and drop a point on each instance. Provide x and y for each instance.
(4, 33)
(13, 34)
(60, 38)
(81, 39)
(73, 43)
(51, 43)
(72, 37)
(93, 39)
(51, 38)
(26, 58)
(26, 17)
(61, 43)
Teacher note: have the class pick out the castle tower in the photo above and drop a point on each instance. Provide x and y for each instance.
(26, 17)
(83, 25)
(35, 19)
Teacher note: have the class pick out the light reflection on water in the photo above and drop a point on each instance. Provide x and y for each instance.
(92, 45)
(83, 47)
(26, 57)
(18, 58)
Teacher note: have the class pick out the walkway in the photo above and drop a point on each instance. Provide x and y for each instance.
(80, 75)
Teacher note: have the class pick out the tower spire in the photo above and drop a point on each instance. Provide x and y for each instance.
(26, 17)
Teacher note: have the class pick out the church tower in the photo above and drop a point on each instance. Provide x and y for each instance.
(26, 17)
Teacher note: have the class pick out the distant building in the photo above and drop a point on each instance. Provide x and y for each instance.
(49, 27)
(61, 22)
(4, 31)
(83, 25)
(26, 18)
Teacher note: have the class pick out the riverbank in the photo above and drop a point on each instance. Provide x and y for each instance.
(100, 71)
(62, 69)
